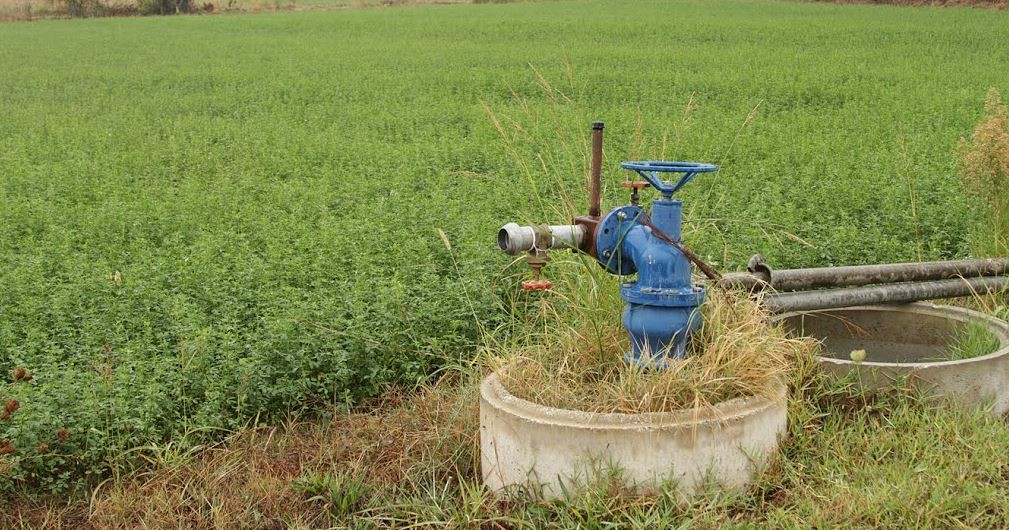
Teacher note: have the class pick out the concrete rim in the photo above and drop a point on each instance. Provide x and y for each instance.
(494, 392)
(996, 326)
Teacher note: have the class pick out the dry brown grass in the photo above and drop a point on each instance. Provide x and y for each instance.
(736, 353)
(984, 167)
(252, 480)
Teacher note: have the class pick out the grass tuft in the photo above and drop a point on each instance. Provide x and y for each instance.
(973, 339)
(735, 353)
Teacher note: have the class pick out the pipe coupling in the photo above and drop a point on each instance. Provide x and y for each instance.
(514, 239)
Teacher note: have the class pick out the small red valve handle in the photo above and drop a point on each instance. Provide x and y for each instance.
(537, 260)
(635, 186)
(537, 285)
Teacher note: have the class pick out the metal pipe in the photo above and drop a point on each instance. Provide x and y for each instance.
(883, 294)
(762, 276)
(514, 239)
(595, 186)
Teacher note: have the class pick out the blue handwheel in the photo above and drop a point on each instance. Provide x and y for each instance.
(649, 171)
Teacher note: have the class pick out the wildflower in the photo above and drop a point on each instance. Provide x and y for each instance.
(42, 449)
(63, 434)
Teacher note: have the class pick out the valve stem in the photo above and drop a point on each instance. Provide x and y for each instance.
(537, 260)
(635, 186)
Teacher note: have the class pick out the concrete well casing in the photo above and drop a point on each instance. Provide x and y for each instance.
(905, 343)
(527, 444)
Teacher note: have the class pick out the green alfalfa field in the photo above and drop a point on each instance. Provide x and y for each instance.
(209, 223)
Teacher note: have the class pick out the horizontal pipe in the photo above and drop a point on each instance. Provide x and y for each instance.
(852, 276)
(514, 239)
(896, 293)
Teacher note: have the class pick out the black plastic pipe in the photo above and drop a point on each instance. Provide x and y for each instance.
(883, 294)
(762, 276)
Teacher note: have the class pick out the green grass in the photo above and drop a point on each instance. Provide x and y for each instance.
(973, 339)
(268, 188)
(848, 461)
(891, 463)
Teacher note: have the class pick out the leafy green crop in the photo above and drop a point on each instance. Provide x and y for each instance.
(208, 220)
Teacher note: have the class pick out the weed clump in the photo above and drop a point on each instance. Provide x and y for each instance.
(984, 168)
(971, 340)
(735, 353)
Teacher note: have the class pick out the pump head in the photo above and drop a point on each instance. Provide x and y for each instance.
(662, 303)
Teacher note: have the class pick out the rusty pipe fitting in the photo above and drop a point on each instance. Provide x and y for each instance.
(595, 184)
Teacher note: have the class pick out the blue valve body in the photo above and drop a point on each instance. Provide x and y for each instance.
(662, 304)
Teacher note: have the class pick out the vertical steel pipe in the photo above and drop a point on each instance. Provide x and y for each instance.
(595, 187)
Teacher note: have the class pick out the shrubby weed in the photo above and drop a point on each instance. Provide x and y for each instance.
(984, 168)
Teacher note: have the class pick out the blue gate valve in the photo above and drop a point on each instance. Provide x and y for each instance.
(662, 303)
